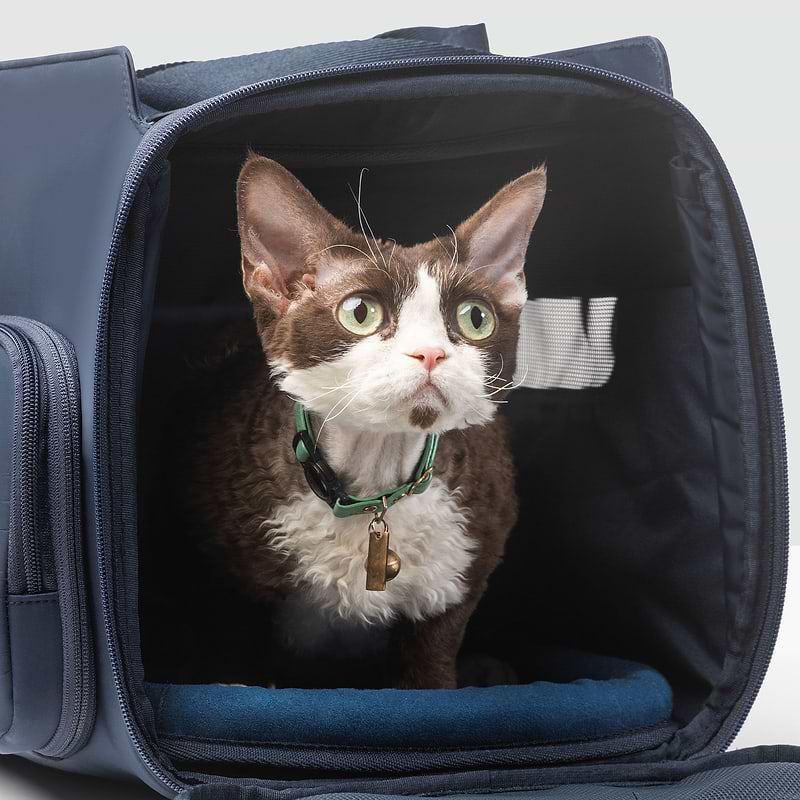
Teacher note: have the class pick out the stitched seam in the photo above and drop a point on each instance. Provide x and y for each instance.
(127, 90)
(660, 62)
(32, 602)
(27, 63)
(126, 84)
(728, 304)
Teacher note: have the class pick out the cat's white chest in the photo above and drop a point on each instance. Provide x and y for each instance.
(331, 604)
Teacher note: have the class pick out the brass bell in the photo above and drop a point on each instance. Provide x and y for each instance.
(392, 565)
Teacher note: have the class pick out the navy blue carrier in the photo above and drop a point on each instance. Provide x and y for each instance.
(641, 593)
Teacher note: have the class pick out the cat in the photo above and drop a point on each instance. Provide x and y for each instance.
(383, 344)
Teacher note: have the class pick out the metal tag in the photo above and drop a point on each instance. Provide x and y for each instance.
(377, 557)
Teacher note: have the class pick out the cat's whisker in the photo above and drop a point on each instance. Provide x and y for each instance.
(442, 245)
(347, 382)
(469, 272)
(499, 372)
(510, 385)
(328, 415)
(472, 270)
(489, 399)
(521, 380)
(352, 396)
(454, 260)
(499, 389)
(351, 246)
(362, 220)
(330, 390)
(357, 198)
(364, 216)
(453, 256)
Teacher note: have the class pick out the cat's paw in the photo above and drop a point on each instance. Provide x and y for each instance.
(481, 670)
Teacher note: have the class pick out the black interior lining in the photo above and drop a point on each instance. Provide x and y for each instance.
(619, 547)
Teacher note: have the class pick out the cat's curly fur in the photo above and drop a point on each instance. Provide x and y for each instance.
(245, 496)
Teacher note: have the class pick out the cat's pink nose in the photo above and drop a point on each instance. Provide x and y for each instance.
(429, 357)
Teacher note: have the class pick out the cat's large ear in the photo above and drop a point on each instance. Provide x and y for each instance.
(497, 234)
(282, 230)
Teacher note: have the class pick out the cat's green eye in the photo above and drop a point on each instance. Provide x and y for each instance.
(476, 320)
(360, 314)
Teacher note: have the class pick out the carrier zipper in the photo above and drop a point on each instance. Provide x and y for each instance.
(78, 688)
(50, 368)
(157, 140)
(772, 613)
(23, 505)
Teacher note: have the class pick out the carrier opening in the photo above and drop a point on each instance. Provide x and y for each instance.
(613, 602)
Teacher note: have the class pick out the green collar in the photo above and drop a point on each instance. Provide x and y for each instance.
(323, 481)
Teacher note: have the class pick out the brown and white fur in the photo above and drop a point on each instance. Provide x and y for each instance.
(372, 400)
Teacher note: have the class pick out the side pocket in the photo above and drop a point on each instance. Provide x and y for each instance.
(46, 660)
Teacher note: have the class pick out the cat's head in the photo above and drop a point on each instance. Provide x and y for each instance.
(377, 335)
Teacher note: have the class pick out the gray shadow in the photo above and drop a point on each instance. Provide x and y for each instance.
(24, 780)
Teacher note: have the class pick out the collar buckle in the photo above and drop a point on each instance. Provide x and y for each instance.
(425, 476)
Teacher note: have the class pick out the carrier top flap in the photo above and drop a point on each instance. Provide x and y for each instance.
(70, 128)
(752, 774)
(169, 87)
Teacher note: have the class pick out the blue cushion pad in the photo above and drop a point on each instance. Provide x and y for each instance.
(615, 697)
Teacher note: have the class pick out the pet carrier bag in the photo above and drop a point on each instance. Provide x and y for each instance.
(641, 592)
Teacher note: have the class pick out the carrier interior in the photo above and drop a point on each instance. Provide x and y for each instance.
(618, 552)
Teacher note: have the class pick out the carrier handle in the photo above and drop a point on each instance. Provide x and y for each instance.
(172, 86)
(471, 37)
(169, 87)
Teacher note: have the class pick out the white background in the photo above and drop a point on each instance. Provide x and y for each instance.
(734, 65)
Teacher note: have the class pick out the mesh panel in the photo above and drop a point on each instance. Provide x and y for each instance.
(566, 343)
